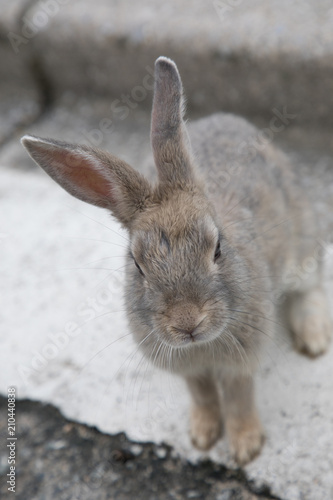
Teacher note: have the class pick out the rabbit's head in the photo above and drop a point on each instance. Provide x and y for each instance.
(182, 277)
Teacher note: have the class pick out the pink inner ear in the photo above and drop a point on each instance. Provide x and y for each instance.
(81, 174)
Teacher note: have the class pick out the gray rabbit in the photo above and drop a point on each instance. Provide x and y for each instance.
(212, 250)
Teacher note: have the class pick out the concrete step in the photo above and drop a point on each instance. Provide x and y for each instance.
(249, 58)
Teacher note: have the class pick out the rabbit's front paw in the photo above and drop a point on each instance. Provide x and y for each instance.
(311, 323)
(246, 439)
(315, 336)
(206, 426)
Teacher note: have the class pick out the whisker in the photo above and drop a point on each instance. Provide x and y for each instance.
(237, 204)
(237, 221)
(104, 258)
(251, 326)
(257, 315)
(130, 357)
(273, 227)
(272, 339)
(96, 239)
(100, 351)
(91, 268)
(137, 370)
(239, 347)
(98, 222)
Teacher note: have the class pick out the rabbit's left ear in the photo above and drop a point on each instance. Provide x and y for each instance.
(92, 176)
(170, 142)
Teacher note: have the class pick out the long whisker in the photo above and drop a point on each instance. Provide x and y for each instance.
(270, 229)
(93, 268)
(237, 221)
(130, 357)
(137, 369)
(236, 205)
(240, 349)
(235, 322)
(100, 351)
(104, 258)
(96, 239)
(98, 222)
(251, 326)
(257, 315)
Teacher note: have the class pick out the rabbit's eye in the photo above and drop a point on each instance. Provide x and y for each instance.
(138, 267)
(217, 254)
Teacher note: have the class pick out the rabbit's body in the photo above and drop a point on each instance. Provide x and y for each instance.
(264, 214)
(213, 248)
(256, 190)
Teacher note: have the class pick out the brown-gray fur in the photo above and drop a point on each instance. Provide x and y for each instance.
(213, 247)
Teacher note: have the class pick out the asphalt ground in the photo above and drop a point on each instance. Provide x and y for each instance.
(63, 460)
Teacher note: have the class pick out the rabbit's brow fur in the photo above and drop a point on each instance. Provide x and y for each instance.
(213, 249)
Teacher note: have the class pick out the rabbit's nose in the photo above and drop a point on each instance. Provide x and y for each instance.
(189, 331)
(185, 318)
(189, 328)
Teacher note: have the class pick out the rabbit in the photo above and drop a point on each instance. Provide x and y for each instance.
(213, 245)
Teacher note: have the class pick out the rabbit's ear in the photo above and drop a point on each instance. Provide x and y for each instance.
(169, 138)
(92, 176)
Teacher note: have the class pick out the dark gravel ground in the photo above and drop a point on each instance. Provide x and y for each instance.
(63, 460)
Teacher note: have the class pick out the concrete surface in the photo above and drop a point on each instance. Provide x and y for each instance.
(21, 96)
(233, 55)
(69, 343)
(63, 460)
(86, 121)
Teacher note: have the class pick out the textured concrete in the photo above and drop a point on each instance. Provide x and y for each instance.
(64, 460)
(236, 56)
(69, 344)
(21, 99)
(90, 122)
(246, 57)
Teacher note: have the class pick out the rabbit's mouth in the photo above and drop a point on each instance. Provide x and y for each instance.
(184, 337)
(180, 337)
(183, 324)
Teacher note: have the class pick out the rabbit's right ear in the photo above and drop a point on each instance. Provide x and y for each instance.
(92, 176)
(169, 138)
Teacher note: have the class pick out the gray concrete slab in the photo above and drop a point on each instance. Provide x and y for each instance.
(90, 122)
(236, 56)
